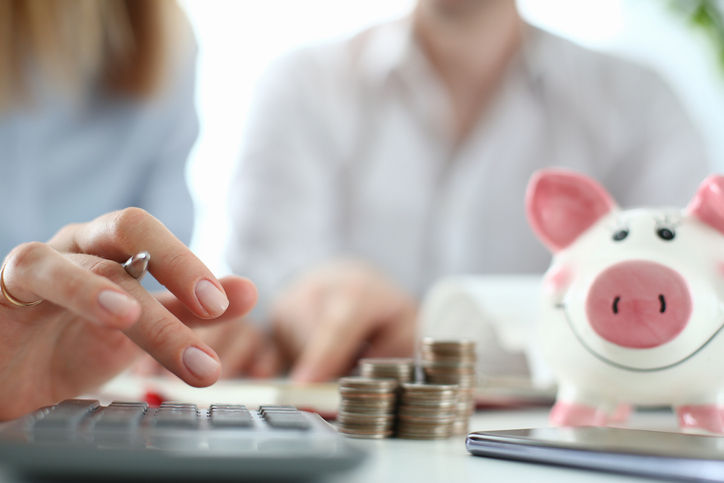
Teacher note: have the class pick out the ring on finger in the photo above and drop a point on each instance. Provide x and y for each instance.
(137, 265)
(10, 298)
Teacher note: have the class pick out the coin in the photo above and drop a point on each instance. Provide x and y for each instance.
(448, 346)
(452, 362)
(363, 407)
(367, 407)
(426, 411)
(402, 369)
(369, 384)
(434, 409)
(364, 434)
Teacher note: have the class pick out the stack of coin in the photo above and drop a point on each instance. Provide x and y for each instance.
(399, 368)
(453, 362)
(426, 411)
(368, 407)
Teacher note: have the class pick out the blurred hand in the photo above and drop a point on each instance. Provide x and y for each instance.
(95, 319)
(244, 351)
(338, 312)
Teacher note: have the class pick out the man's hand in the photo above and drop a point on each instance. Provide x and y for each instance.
(95, 319)
(338, 312)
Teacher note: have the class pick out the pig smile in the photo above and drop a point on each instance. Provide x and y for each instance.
(597, 355)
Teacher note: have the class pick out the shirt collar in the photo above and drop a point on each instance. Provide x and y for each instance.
(391, 48)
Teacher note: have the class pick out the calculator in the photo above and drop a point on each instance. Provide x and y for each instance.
(81, 439)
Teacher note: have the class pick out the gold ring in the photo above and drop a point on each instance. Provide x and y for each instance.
(9, 297)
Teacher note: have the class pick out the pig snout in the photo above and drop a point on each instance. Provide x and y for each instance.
(638, 304)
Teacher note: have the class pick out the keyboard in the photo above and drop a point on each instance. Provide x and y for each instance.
(80, 438)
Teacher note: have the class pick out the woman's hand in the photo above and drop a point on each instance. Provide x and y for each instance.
(338, 312)
(95, 319)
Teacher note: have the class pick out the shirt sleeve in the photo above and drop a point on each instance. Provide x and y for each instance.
(284, 202)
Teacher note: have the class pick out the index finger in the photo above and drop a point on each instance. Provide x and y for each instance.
(174, 345)
(120, 234)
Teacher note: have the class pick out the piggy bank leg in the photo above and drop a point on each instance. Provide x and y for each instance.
(565, 413)
(575, 407)
(703, 418)
(620, 414)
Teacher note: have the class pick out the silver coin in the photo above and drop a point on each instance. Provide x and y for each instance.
(432, 342)
(448, 358)
(410, 387)
(428, 430)
(343, 417)
(423, 434)
(368, 383)
(418, 411)
(448, 367)
(366, 428)
(347, 406)
(365, 434)
(435, 420)
(381, 396)
(442, 396)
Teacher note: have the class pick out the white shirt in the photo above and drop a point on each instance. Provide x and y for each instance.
(65, 160)
(348, 152)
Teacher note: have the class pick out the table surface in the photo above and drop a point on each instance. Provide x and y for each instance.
(397, 460)
(401, 461)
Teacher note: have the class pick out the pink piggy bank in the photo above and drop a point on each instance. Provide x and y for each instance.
(633, 303)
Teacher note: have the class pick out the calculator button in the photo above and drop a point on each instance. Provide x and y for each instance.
(226, 406)
(263, 410)
(89, 404)
(119, 417)
(179, 405)
(68, 413)
(141, 404)
(231, 418)
(175, 417)
(290, 420)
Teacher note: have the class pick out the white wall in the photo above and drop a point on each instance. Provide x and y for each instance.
(237, 38)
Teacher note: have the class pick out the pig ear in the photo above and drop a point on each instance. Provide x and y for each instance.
(562, 204)
(708, 203)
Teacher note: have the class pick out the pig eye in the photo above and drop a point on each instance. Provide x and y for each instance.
(619, 235)
(666, 233)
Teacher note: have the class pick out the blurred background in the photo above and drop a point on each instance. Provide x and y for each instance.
(238, 38)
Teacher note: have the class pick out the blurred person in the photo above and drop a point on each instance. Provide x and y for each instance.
(374, 166)
(96, 116)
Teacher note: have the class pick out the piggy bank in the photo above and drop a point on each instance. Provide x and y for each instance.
(632, 304)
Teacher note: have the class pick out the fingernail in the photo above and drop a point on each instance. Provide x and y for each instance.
(117, 303)
(212, 299)
(199, 362)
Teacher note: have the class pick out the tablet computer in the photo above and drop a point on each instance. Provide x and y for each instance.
(656, 454)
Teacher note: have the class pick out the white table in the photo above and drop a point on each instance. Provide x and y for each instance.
(402, 461)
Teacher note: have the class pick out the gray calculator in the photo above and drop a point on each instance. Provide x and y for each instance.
(80, 439)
